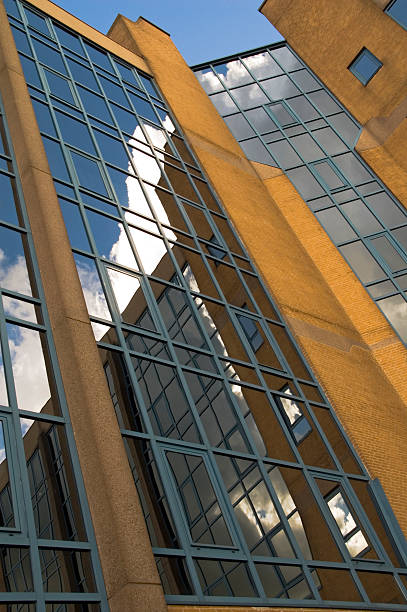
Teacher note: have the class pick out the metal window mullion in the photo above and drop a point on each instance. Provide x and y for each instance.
(236, 531)
(163, 468)
(364, 522)
(226, 383)
(335, 418)
(323, 436)
(334, 529)
(287, 529)
(379, 256)
(27, 514)
(65, 412)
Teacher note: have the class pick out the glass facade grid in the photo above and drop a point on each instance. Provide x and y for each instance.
(311, 137)
(229, 494)
(36, 498)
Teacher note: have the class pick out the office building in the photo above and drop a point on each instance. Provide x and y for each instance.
(203, 370)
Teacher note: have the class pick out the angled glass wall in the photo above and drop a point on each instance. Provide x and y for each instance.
(48, 557)
(283, 116)
(251, 492)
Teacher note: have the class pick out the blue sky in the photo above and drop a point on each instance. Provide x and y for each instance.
(201, 29)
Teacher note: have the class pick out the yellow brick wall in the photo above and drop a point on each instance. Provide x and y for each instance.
(352, 349)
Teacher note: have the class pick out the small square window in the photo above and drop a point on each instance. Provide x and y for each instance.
(364, 66)
(398, 10)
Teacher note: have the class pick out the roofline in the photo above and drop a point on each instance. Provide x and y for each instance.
(227, 58)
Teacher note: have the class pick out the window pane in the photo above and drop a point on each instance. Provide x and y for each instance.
(31, 363)
(56, 159)
(352, 168)
(361, 217)
(49, 56)
(83, 75)
(54, 494)
(239, 126)
(88, 173)
(6, 501)
(261, 120)
(66, 571)
(199, 500)
(68, 40)
(386, 209)
(285, 154)
(13, 267)
(365, 66)
(74, 225)
(331, 143)
(209, 80)
(224, 103)
(75, 133)
(8, 199)
(224, 578)
(346, 127)
(249, 96)
(30, 71)
(286, 59)
(307, 147)
(362, 262)
(91, 286)
(324, 103)
(16, 570)
(59, 87)
(257, 152)
(335, 225)
(398, 10)
(328, 175)
(305, 81)
(43, 116)
(174, 576)
(262, 65)
(95, 105)
(395, 309)
(233, 73)
(36, 21)
(305, 183)
(388, 253)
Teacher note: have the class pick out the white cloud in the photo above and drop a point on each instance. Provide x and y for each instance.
(29, 370)
(209, 81)
(291, 409)
(14, 276)
(30, 376)
(124, 287)
(94, 296)
(341, 514)
(3, 389)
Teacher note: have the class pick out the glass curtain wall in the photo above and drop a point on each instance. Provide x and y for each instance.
(48, 558)
(251, 492)
(283, 116)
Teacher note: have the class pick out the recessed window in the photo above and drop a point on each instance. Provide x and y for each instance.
(215, 249)
(364, 66)
(353, 536)
(398, 10)
(252, 333)
(294, 416)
